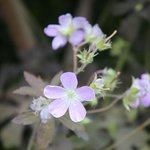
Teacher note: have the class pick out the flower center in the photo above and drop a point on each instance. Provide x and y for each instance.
(71, 95)
(67, 30)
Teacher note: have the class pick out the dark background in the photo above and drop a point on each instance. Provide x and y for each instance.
(23, 46)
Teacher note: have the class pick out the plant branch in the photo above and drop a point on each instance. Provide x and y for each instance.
(75, 63)
(32, 137)
(107, 107)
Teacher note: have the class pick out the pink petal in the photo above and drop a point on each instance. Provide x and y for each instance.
(54, 92)
(77, 111)
(76, 37)
(59, 41)
(65, 20)
(51, 30)
(69, 80)
(58, 107)
(86, 93)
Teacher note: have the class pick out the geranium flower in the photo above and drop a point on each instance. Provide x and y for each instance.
(143, 86)
(68, 97)
(69, 29)
(92, 33)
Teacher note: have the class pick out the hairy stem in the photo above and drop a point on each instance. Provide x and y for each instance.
(107, 107)
(75, 63)
(32, 137)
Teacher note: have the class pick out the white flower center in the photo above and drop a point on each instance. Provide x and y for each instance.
(67, 30)
(71, 95)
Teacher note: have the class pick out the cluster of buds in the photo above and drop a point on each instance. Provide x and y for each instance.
(105, 81)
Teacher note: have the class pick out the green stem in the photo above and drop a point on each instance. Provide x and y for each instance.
(32, 137)
(75, 63)
(107, 107)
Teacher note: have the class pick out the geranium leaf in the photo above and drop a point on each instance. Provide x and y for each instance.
(35, 82)
(25, 90)
(25, 118)
(74, 126)
(56, 79)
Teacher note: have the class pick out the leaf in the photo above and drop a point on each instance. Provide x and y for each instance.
(56, 79)
(35, 82)
(25, 90)
(45, 134)
(6, 111)
(11, 135)
(26, 118)
(70, 124)
(74, 126)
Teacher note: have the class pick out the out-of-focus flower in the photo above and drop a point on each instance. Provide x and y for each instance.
(139, 93)
(68, 97)
(40, 106)
(92, 33)
(69, 29)
(143, 86)
(106, 80)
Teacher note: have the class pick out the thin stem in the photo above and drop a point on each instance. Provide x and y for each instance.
(108, 38)
(80, 45)
(32, 137)
(107, 107)
(75, 59)
(129, 135)
(81, 69)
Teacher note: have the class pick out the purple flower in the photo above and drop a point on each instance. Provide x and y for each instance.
(92, 33)
(143, 86)
(69, 29)
(68, 97)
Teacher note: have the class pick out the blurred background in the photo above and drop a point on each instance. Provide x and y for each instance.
(24, 47)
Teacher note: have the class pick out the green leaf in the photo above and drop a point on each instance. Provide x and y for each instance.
(26, 90)
(74, 126)
(11, 135)
(35, 82)
(56, 79)
(25, 118)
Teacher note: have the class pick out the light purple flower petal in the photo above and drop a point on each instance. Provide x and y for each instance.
(65, 20)
(69, 80)
(77, 111)
(88, 29)
(97, 31)
(76, 37)
(145, 76)
(86, 93)
(54, 92)
(59, 41)
(145, 101)
(79, 22)
(51, 30)
(58, 107)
